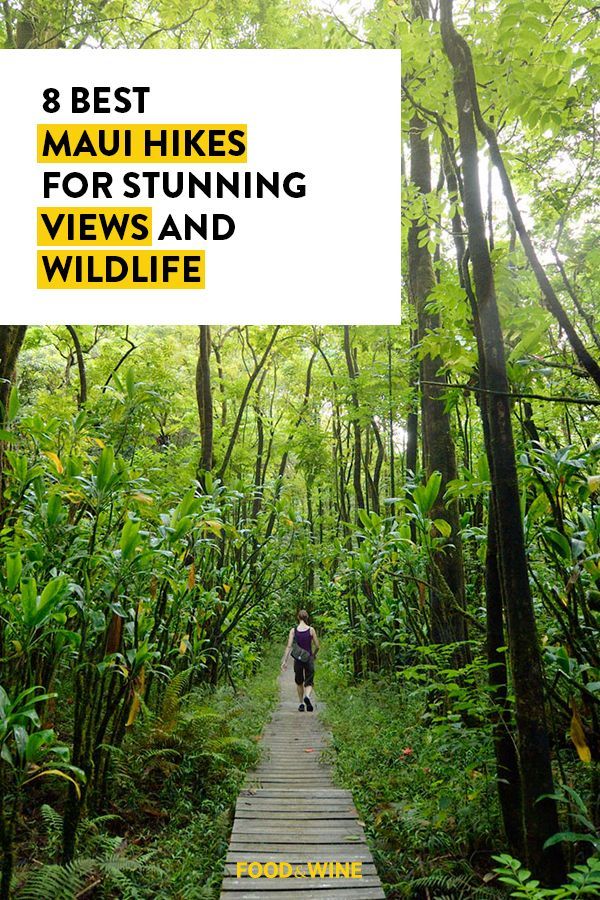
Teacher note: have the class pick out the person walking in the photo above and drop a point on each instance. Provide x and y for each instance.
(302, 646)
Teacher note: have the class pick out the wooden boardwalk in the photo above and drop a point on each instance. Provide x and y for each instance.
(290, 812)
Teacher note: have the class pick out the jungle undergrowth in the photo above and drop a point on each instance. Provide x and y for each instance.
(422, 782)
(177, 787)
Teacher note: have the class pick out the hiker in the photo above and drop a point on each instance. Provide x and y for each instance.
(300, 644)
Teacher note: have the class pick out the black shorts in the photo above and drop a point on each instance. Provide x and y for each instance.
(304, 672)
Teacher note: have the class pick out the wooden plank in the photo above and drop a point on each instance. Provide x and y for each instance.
(305, 771)
(306, 775)
(294, 781)
(267, 824)
(317, 793)
(296, 794)
(281, 817)
(293, 812)
(342, 831)
(317, 781)
(326, 836)
(300, 805)
(339, 827)
(287, 814)
(313, 773)
(308, 849)
(344, 893)
(343, 854)
(306, 765)
(293, 801)
(295, 884)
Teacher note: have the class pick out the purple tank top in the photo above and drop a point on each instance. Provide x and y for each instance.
(304, 639)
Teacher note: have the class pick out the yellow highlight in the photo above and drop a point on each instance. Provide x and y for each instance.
(104, 269)
(138, 143)
(109, 226)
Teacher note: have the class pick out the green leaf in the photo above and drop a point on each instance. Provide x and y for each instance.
(28, 599)
(571, 837)
(54, 592)
(54, 509)
(13, 404)
(426, 495)
(36, 742)
(130, 383)
(559, 541)
(36, 611)
(129, 538)
(444, 528)
(104, 469)
(14, 566)
(364, 517)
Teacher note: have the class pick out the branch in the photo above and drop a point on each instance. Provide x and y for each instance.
(355, 37)
(580, 401)
(244, 402)
(171, 28)
(551, 300)
(132, 347)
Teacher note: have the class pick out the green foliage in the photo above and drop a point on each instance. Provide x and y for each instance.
(584, 881)
(583, 829)
(54, 882)
(422, 776)
(213, 742)
(27, 750)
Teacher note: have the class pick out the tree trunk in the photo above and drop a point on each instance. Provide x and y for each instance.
(217, 351)
(258, 485)
(244, 401)
(356, 429)
(447, 623)
(82, 395)
(375, 478)
(505, 751)
(288, 444)
(205, 401)
(391, 448)
(11, 341)
(539, 815)
(507, 762)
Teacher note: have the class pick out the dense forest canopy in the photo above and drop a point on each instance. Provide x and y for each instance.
(169, 496)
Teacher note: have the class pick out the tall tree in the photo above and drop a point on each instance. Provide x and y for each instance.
(539, 810)
(357, 467)
(447, 593)
(204, 399)
(258, 367)
(11, 341)
(507, 762)
(82, 395)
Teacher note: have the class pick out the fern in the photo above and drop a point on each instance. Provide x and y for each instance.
(455, 887)
(54, 882)
(52, 820)
(171, 705)
(53, 824)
